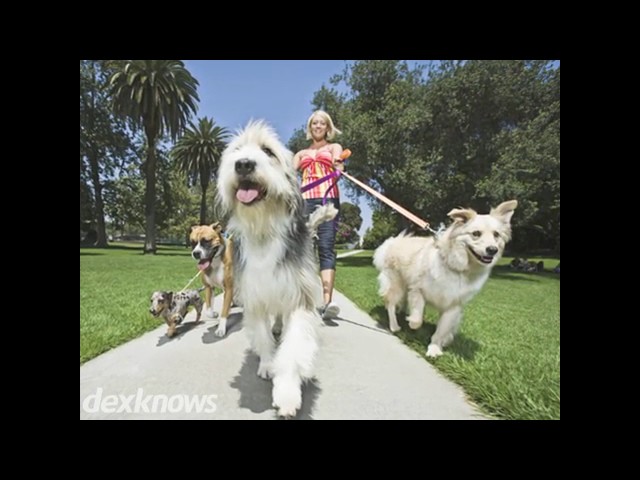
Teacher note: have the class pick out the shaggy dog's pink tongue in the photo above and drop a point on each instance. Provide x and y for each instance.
(204, 265)
(247, 195)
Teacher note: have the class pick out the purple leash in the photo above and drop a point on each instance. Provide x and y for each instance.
(335, 174)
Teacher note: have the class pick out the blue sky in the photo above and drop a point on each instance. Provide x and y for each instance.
(279, 91)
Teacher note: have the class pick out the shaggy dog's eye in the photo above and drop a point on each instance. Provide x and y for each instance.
(476, 234)
(268, 151)
(496, 235)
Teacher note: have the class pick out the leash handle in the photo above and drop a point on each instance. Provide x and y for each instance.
(346, 153)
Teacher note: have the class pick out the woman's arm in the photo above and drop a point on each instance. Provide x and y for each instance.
(296, 160)
(336, 150)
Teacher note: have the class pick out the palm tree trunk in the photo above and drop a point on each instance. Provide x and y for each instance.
(150, 196)
(203, 206)
(101, 241)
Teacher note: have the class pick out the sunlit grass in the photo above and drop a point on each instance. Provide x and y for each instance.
(507, 353)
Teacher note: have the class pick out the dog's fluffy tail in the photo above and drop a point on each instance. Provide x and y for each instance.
(322, 214)
(380, 254)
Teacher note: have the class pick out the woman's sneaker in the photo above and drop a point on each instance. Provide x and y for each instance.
(330, 311)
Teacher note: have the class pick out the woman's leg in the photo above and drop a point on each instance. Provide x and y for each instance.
(326, 252)
(328, 277)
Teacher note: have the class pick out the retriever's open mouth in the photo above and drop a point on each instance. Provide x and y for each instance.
(249, 192)
(483, 258)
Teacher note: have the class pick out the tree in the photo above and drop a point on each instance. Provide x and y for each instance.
(298, 140)
(528, 168)
(158, 96)
(463, 135)
(176, 208)
(349, 223)
(104, 144)
(383, 226)
(123, 203)
(197, 153)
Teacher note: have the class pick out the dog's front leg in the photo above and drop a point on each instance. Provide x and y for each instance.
(207, 301)
(446, 329)
(294, 361)
(198, 305)
(262, 341)
(227, 298)
(171, 323)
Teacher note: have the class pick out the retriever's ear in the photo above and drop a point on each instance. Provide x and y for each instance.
(462, 215)
(504, 211)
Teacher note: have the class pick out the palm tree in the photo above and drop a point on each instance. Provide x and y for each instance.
(197, 153)
(159, 96)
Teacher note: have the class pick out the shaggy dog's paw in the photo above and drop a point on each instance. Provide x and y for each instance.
(287, 398)
(434, 351)
(394, 328)
(264, 370)
(222, 328)
(415, 324)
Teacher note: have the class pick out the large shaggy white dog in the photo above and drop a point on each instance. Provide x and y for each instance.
(445, 272)
(274, 267)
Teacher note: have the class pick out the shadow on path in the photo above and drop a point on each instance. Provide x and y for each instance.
(234, 324)
(255, 393)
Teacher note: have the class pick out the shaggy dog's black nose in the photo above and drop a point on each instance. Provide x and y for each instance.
(245, 167)
(196, 255)
(492, 250)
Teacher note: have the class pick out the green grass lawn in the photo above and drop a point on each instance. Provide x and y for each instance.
(115, 287)
(506, 355)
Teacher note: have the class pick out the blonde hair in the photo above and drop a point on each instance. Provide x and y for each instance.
(332, 131)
